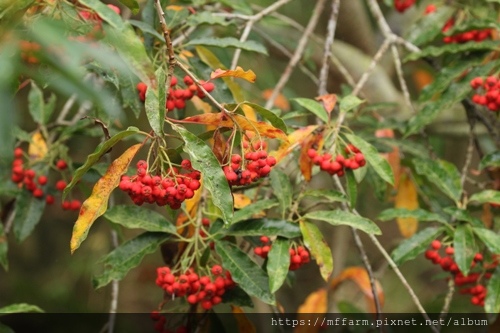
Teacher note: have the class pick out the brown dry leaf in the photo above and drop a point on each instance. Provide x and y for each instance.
(360, 277)
(97, 203)
(295, 138)
(487, 216)
(393, 157)
(407, 198)
(314, 305)
(281, 102)
(219, 146)
(329, 101)
(241, 200)
(244, 324)
(239, 72)
(305, 162)
(38, 147)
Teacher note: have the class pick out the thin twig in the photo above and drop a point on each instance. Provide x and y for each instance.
(402, 81)
(168, 42)
(468, 157)
(330, 36)
(313, 21)
(447, 301)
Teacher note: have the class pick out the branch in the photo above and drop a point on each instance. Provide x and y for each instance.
(332, 24)
(168, 42)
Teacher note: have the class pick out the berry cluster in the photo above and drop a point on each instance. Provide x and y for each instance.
(177, 96)
(402, 5)
(160, 322)
(298, 256)
(37, 184)
(482, 272)
(466, 36)
(205, 290)
(354, 160)
(491, 89)
(29, 51)
(254, 165)
(170, 190)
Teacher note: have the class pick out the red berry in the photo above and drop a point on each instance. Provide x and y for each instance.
(49, 199)
(75, 205)
(61, 185)
(216, 270)
(173, 81)
(61, 164)
(38, 193)
(436, 244)
(66, 205)
(264, 239)
(18, 153)
(188, 81)
(42, 180)
(209, 86)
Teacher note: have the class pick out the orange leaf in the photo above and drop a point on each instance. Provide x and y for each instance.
(241, 200)
(97, 203)
(329, 101)
(314, 305)
(239, 72)
(295, 138)
(305, 162)
(407, 198)
(244, 324)
(38, 147)
(360, 277)
(175, 8)
(422, 78)
(393, 157)
(280, 102)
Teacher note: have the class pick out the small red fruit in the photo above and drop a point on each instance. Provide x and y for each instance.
(61, 164)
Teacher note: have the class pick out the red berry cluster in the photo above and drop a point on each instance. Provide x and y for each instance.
(491, 89)
(402, 5)
(478, 291)
(170, 190)
(354, 160)
(298, 256)
(177, 96)
(160, 322)
(37, 184)
(205, 290)
(466, 36)
(254, 165)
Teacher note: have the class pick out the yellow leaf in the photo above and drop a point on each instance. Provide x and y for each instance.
(280, 102)
(249, 112)
(241, 200)
(239, 72)
(360, 277)
(314, 305)
(407, 198)
(174, 8)
(97, 203)
(295, 138)
(38, 147)
(242, 321)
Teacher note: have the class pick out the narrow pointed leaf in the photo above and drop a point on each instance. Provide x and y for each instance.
(127, 256)
(93, 158)
(249, 276)
(419, 214)
(36, 104)
(204, 160)
(410, 248)
(97, 203)
(153, 110)
(489, 196)
(330, 195)
(351, 188)
(465, 247)
(441, 173)
(372, 156)
(349, 103)
(256, 208)
(269, 116)
(313, 106)
(314, 241)
(278, 263)
(492, 300)
(28, 213)
(139, 217)
(490, 238)
(407, 198)
(340, 217)
(282, 189)
(268, 227)
(3, 249)
(436, 51)
(429, 26)
(226, 42)
(20, 308)
(490, 160)
(463, 215)
(133, 5)
(239, 72)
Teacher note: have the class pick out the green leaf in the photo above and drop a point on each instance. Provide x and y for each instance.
(239, 5)
(36, 104)
(127, 256)
(237, 296)
(278, 263)
(419, 214)
(93, 158)
(340, 217)
(268, 227)
(349, 103)
(268, 115)
(428, 27)
(175, 17)
(3, 328)
(330, 195)
(282, 189)
(204, 160)
(490, 160)
(19, 308)
(205, 17)
(463, 215)
(146, 28)
(255, 208)
(225, 42)
(372, 156)
(441, 173)
(410, 248)
(28, 212)
(133, 5)
(4, 246)
(128, 92)
(490, 196)
(249, 276)
(492, 300)
(314, 241)
(351, 187)
(437, 51)
(465, 247)
(133, 217)
(153, 111)
(313, 106)
(490, 238)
